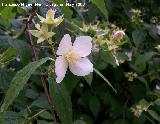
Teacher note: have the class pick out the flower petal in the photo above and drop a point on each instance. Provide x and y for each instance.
(50, 34)
(44, 28)
(35, 33)
(82, 67)
(50, 14)
(38, 26)
(41, 18)
(58, 20)
(61, 66)
(41, 39)
(83, 45)
(64, 45)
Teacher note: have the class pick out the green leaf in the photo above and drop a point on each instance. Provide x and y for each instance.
(5, 78)
(6, 2)
(30, 93)
(11, 118)
(154, 114)
(107, 122)
(44, 122)
(70, 82)
(79, 122)
(8, 54)
(5, 43)
(19, 81)
(144, 103)
(108, 58)
(94, 105)
(157, 102)
(89, 79)
(66, 10)
(41, 101)
(22, 50)
(46, 115)
(61, 100)
(6, 15)
(105, 79)
(101, 6)
(88, 119)
(121, 121)
(152, 30)
(138, 37)
(144, 81)
(143, 58)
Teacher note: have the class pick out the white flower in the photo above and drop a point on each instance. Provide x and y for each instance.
(41, 33)
(50, 18)
(129, 55)
(158, 48)
(158, 29)
(157, 87)
(116, 59)
(73, 56)
(118, 35)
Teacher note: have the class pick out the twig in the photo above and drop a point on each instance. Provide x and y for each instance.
(35, 55)
(34, 116)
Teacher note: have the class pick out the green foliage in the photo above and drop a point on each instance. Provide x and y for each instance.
(124, 87)
(7, 14)
(138, 37)
(99, 73)
(22, 50)
(19, 81)
(67, 12)
(89, 79)
(9, 117)
(108, 58)
(5, 78)
(79, 122)
(61, 100)
(70, 82)
(101, 6)
(144, 57)
(8, 54)
(94, 105)
(154, 114)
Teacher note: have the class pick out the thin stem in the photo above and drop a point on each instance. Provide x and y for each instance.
(35, 55)
(34, 116)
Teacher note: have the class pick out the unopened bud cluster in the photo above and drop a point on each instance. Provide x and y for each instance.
(138, 109)
(131, 76)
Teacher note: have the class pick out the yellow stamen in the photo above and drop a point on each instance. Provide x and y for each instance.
(71, 56)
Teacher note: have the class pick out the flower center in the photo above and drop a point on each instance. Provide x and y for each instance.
(50, 20)
(43, 34)
(71, 56)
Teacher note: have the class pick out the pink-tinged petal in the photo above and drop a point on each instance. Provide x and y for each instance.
(83, 45)
(119, 32)
(65, 45)
(118, 35)
(61, 66)
(82, 67)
